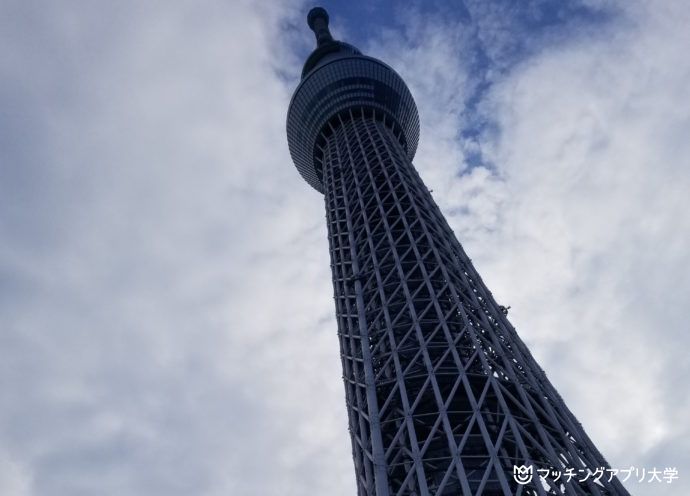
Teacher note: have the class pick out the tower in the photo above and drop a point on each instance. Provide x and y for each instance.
(443, 397)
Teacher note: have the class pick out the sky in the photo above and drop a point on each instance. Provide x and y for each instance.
(166, 316)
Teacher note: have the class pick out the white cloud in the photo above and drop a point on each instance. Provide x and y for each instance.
(13, 477)
(159, 335)
(166, 315)
(595, 157)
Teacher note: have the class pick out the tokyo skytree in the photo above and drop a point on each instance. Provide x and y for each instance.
(443, 397)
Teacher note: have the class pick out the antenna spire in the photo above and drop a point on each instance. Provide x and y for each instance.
(318, 22)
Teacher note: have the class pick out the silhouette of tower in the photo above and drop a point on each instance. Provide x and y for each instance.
(443, 397)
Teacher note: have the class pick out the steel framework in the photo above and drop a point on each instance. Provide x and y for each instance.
(443, 397)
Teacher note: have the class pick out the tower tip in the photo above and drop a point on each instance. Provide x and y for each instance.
(317, 19)
(316, 12)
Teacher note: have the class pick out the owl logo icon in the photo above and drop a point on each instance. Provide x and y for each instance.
(522, 474)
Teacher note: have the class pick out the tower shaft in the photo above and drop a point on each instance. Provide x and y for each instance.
(443, 397)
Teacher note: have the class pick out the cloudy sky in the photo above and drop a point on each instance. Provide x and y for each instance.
(166, 313)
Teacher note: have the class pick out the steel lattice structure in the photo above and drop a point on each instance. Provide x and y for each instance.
(443, 397)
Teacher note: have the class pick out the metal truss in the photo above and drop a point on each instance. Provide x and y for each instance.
(443, 397)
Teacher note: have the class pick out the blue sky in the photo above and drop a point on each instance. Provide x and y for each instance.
(166, 314)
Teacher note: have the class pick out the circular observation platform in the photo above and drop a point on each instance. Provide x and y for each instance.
(337, 82)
